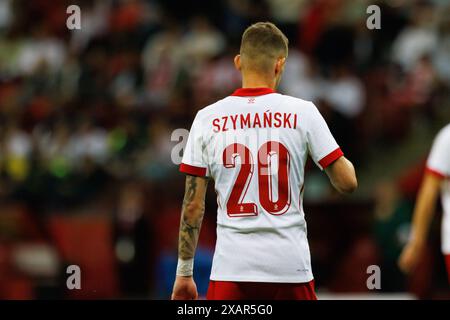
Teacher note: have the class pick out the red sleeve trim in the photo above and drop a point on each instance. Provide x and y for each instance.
(192, 170)
(435, 173)
(330, 158)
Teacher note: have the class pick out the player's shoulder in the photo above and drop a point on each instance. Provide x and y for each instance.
(212, 108)
(444, 133)
(303, 107)
(295, 101)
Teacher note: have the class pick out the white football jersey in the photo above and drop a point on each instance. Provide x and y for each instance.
(439, 164)
(254, 145)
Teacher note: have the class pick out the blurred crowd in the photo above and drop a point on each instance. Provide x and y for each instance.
(86, 115)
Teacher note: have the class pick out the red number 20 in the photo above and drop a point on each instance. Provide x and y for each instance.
(236, 207)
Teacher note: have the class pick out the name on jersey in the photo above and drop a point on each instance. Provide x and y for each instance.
(255, 120)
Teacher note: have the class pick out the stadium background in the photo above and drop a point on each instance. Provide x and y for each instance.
(86, 118)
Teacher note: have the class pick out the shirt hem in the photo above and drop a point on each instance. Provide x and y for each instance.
(263, 279)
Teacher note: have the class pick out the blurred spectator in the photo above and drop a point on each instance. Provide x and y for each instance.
(162, 60)
(202, 41)
(392, 216)
(41, 50)
(16, 152)
(344, 93)
(417, 39)
(301, 77)
(94, 23)
(132, 242)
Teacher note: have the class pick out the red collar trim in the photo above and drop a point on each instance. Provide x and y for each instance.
(252, 92)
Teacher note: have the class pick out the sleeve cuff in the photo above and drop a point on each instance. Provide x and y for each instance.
(330, 158)
(435, 173)
(192, 170)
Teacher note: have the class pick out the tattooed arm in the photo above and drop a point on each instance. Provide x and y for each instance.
(191, 216)
(191, 221)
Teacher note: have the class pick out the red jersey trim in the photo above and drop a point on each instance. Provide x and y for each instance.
(331, 157)
(192, 170)
(435, 173)
(252, 92)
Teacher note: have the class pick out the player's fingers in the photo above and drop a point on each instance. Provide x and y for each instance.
(179, 297)
(403, 267)
(408, 262)
(402, 263)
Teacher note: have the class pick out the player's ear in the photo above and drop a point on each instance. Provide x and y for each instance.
(237, 62)
(279, 66)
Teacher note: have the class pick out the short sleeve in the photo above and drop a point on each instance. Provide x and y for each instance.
(438, 162)
(193, 161)
(321, 144)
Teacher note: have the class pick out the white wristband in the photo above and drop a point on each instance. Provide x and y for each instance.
(185, 268)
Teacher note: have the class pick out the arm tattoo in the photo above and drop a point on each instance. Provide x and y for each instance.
(191, 220)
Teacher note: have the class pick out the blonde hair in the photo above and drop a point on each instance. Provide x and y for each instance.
(262, 43)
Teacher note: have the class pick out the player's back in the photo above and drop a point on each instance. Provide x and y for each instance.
(254, 144)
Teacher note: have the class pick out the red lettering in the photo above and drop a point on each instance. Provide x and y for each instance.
(277, 117)
(224, 128)
(267, 119)
(257, 121)
(286, 121)
(234, 120)
(216, 124)
(245, 121)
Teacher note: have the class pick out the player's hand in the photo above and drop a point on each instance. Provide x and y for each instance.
(410, 257)
(184, 288)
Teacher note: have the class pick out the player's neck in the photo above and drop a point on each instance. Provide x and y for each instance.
(256, 81)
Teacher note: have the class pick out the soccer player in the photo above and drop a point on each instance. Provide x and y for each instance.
(437, 177)
(254, 145)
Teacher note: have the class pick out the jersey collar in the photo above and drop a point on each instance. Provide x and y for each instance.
(252, 92)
